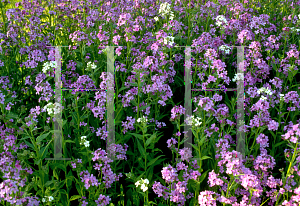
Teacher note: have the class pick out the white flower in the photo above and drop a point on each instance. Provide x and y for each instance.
(263, 98)
(137, 183)
(43, 200)
(53, 64)
(90, 66)
(195, 122)
(238, 76)
(266, 90)
(281, 97)
(294, 29)
(156, 18)
(86, 143)
(53, 108)
(146, 181)
(165, 9)
(225, 48)
(50, 198)
(169, 40)
(142, 119)
(47, 66)
(144, 187)
(171, 16)
(83, 137)
(221, 19)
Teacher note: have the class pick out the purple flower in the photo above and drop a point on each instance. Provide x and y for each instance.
(169, 174)
(176, 112)
(262, 140)
(186, 154)
(206, 198)
(171, 142)
(103, 200)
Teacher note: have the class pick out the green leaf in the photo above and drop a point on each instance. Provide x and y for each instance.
(41, 137)
(144, 107)
(153, 136)
(48, 183)
(156, 161)
(195, 185)
(203, 175)
(133, 84)
(29, 144)
(205, 157)
(26, 137)
(279, 143)
(12, 116)
(43, 152)
(137, 135)
(69, 141)
(75, 197)
(141, 149)
(272, 134)
(133, 102)
(56, 165)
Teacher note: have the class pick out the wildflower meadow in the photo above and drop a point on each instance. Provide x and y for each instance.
(150, 102)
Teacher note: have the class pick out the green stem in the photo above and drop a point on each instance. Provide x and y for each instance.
(178, 124)
(3, 17)
(250, 197)
(145, 149)
(288, 172)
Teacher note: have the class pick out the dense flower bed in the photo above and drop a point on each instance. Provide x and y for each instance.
(151, 164)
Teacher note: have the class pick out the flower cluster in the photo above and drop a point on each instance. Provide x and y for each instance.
(144, 183)
(176, 112)
(169, 40)
(165, 9)
(293, 29)
(48, 65)
(142, 119)
(49, 198)
(52, 108)
(221, 21)
(206, 198)
(103, 200)
(293, 134)
(225, 49)
(84, 141)
(88, 179)
(90, 66)
(194, 121)
(238, 77)
(266, 90)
